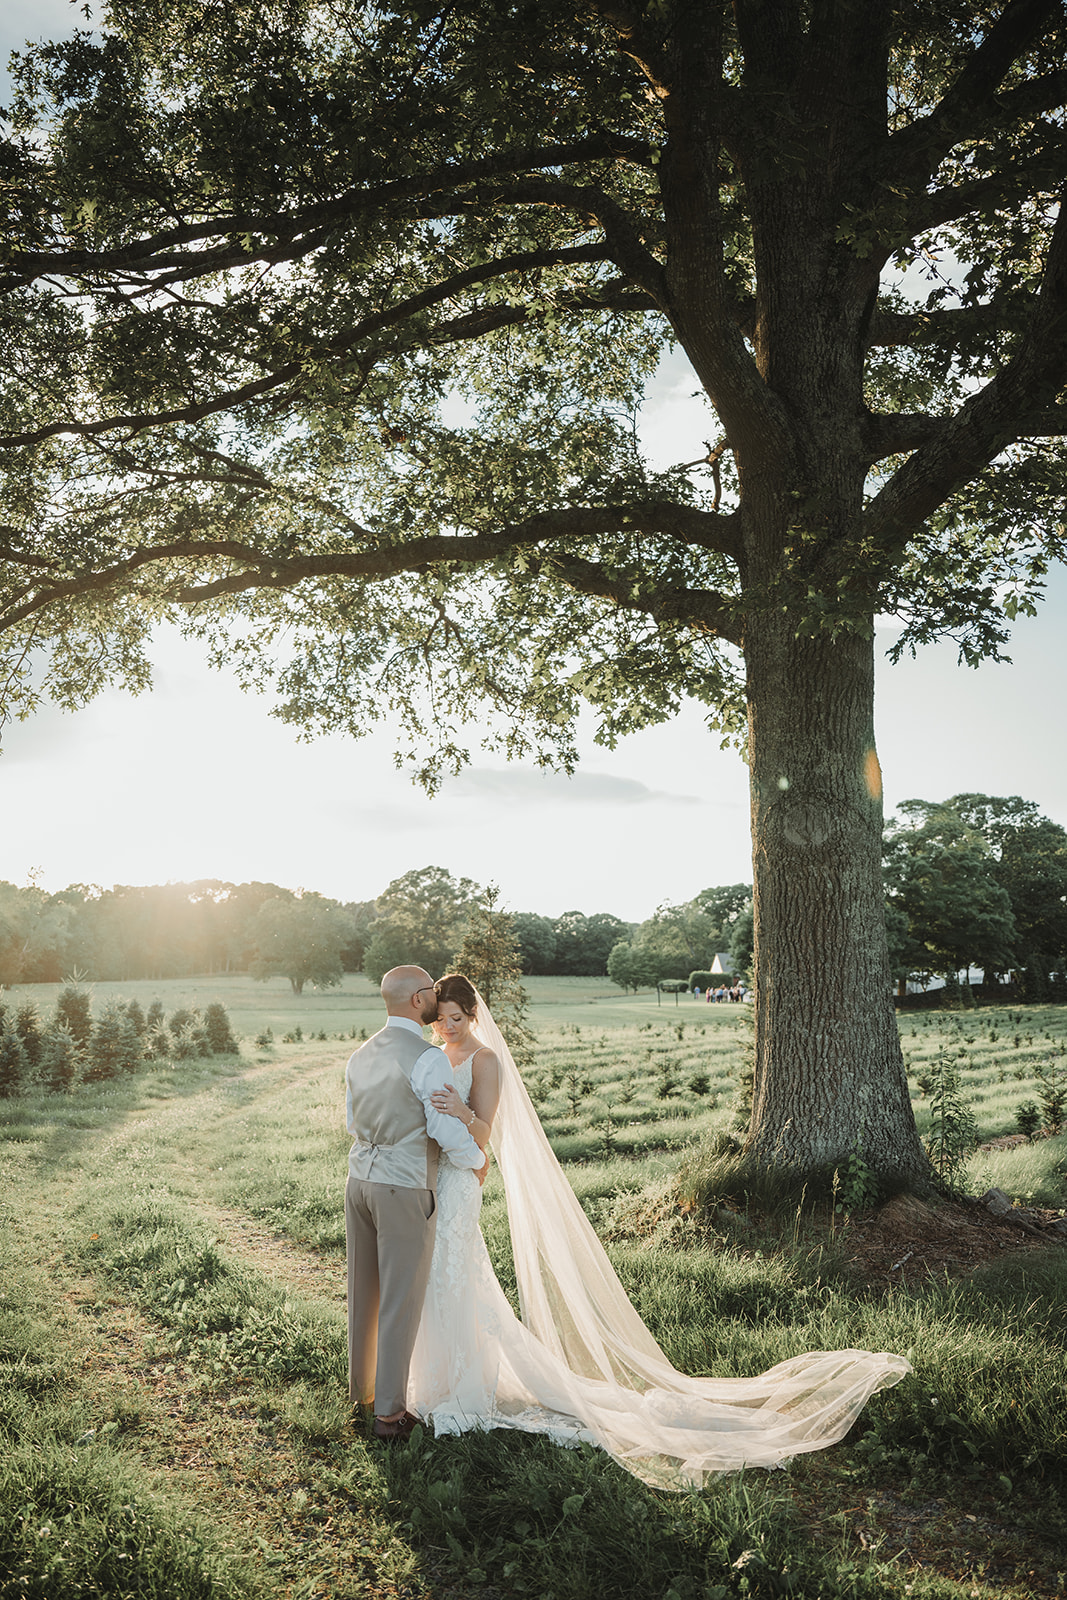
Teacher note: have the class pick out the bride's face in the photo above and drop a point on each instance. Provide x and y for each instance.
(453, 1025)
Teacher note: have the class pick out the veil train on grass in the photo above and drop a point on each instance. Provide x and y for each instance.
(669, 1429)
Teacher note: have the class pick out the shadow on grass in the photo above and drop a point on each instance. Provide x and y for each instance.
(517, 1511)
(59, 1125)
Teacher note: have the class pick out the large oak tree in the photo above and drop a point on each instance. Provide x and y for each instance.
(325, 326)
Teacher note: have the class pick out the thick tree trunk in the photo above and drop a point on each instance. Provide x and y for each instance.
(829, 1075)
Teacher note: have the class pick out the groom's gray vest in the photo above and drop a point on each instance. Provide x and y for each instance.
(388, 1118)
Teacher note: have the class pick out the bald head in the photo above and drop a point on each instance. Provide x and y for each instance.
(409, 992)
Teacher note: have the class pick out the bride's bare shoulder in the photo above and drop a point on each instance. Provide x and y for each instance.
(484, 1063)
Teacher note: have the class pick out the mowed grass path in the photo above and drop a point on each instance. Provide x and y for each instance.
(172, 1343)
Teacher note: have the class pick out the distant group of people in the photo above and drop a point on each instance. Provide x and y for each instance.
(737, 992)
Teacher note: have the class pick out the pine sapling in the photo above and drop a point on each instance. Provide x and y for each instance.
(953, 1128)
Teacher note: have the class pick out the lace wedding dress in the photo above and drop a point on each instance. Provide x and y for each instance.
(581, 1365)
(474, 1364)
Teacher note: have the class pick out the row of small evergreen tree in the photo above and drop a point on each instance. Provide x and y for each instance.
(72, 1046)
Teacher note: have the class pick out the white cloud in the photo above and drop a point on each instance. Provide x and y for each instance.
(530, 786)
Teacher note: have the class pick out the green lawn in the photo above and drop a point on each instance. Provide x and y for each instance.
(172, 1339)
(357, 1003)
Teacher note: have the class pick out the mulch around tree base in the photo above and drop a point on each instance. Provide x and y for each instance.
(909, 1240)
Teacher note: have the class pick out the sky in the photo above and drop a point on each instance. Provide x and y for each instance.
(196, 780)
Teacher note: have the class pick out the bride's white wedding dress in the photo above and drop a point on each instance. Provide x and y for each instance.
(581, 1365)
(474, 1364)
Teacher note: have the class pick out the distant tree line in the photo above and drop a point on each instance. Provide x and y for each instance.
(973, 881)
(978, 881)
(680, 942)
(176, 930)
(170, 930)
(424, 915)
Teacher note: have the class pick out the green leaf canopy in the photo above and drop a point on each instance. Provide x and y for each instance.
(326, 328)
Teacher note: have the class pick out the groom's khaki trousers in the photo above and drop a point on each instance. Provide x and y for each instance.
(389, 1233)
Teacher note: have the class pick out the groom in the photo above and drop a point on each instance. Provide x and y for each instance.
(390, 1196)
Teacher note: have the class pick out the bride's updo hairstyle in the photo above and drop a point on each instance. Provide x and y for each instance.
(458, 990)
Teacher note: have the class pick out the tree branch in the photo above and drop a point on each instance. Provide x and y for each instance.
(1027, 386)
(487, 319)
(261, 570)
(243, 474)
(637, 43)
(137, 422)
(624, 242)
(164, 249)
(894, 433)
(22, 558)
(895, 328)
(1013, 183)
(707, 610)
(1048, 424)
(701, 303)
(335, 349)
(915, 153)
(1030, 99)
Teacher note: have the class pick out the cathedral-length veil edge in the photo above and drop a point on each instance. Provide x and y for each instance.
(670, 1430)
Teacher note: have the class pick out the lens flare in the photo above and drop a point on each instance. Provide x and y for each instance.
(872, 773)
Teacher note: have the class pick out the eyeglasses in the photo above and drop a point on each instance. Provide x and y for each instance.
(427, 989)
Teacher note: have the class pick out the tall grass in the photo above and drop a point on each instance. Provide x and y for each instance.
(83, 1524)
(218, 1316)
(78, 1513)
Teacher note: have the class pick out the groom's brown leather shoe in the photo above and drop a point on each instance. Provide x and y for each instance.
(399, 1429)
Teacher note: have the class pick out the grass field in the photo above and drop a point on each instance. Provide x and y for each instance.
(356, 1002)
(172, 1338)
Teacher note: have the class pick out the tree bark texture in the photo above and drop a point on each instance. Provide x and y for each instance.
(829, 1075)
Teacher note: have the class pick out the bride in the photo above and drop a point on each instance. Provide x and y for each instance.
(581, 1365)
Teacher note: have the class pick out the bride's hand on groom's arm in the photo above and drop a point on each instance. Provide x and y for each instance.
(451, 1103)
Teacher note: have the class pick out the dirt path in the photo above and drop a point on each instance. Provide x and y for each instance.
(275, 1256)
(911, 1241)
(229, 1452)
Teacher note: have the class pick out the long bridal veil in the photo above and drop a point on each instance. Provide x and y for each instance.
(670, 1430)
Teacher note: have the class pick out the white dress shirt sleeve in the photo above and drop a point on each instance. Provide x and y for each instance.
(432, 1071)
